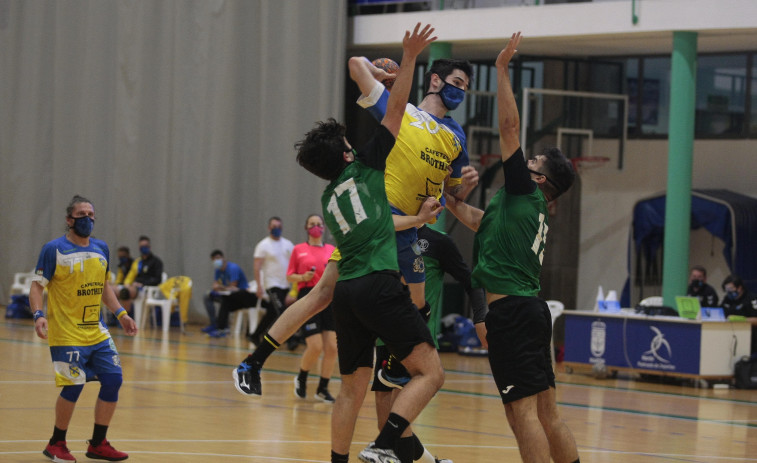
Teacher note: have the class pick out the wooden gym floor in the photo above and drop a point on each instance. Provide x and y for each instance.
(178, 403)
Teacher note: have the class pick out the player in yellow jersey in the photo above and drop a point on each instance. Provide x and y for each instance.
(74, 270)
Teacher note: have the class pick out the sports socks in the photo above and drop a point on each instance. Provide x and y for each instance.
(302, 376)
(262, 352)
(418, 448)
(98, 434)
(339, 458)
(405, 448)
(393, 428)
(58, 435)
(323, 384)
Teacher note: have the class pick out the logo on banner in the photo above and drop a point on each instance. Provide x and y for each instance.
(659, 348)
(598, 338)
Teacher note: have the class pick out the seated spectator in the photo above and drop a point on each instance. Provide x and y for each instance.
(740, 301)
(145, 271)
(699, 288)
(125, 262)
(231, 289)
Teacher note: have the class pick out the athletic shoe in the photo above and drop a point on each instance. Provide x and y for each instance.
(219, 333)
(209, 329)
(393, 374)
(58, 452)
(373, 454)
(300, 388)
(247, 379)
(105, 451)
(427, 457)
(324, 396)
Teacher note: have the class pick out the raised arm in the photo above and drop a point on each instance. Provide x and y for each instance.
(507, 110)
(412, 45)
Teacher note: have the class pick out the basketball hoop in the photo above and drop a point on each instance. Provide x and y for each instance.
(583, 163)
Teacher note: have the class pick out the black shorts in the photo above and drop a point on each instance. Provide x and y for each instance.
(382, 354)
(320, 322)
(371, 306)
(519, 330)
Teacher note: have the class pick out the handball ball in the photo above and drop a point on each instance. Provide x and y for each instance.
(389, 66)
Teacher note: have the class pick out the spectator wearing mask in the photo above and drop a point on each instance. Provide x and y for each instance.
(699, 288)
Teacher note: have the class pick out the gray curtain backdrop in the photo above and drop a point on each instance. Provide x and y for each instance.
(177, 118)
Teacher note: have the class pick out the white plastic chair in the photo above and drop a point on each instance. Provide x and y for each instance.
(138, 304)
(154, 297)
(22, 283)
(252, 319)
(556, 309)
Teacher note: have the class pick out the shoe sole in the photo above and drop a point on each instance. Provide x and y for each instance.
(235, 375)
(374, 460)
(56, 459)
(319, 398)
(388, 383)
(95, 456)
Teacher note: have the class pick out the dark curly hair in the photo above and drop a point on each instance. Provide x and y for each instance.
(444, 67)
(559, 170)
(322, 150)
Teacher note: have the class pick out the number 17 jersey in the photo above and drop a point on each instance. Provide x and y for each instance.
(357, 212)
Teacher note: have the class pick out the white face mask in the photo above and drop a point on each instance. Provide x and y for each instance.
(218, 263)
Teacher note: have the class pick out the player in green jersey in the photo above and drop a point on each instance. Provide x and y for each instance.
(369, 298)
(508, 252)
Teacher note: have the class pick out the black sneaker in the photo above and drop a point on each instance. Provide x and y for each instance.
(324, 396)
(247, 379)
(300, 388)
(393, 373)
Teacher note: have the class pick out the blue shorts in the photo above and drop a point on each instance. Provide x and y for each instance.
(76, 365)
(409, 256)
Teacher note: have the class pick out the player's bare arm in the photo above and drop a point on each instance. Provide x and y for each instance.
(430, 208)
(412, 45)
(509, 119)
(469, 215)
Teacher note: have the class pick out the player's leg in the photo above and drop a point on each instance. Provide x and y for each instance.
(328, 362)
(313, 349)
(70, 375)
(247, 374)
(104, 362)
(524, 422)
(346, 409)
(562, 444)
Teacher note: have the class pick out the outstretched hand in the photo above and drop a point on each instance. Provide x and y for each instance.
(507, 53)
(413, 44)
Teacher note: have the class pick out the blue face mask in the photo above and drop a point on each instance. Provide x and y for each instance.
(83, 226)
(218, 263)
(123, 260)
(144, 250)
(276, 232)
(732, 295)
(451, 96)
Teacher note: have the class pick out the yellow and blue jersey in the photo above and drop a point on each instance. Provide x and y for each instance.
(427, 147)
(75, 280)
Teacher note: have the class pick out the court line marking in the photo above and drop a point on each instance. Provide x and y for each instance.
(582, 450)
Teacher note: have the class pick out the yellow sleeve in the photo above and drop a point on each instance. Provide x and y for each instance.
(132, 275)
(336, 256)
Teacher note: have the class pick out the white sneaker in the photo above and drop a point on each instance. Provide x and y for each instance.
(373, 454)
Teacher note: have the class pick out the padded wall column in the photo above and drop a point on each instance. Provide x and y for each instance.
(680, 156)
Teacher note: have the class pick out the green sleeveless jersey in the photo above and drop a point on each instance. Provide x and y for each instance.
(509, 245)
(357, 214)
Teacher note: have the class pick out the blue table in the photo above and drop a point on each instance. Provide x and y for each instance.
(657, 345)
